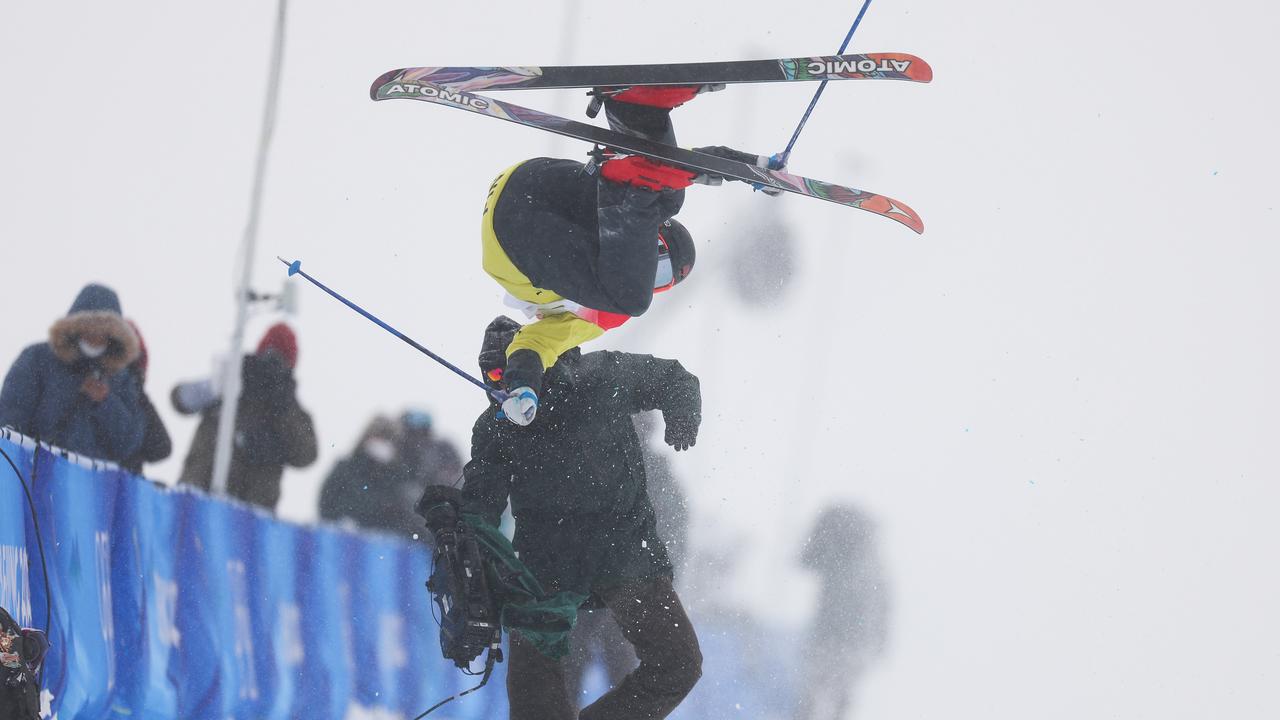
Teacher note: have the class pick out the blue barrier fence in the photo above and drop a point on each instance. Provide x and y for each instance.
(166, 603)
(169, 604)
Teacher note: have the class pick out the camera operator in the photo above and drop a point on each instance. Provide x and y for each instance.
(273, 431)
(74, 390)
(21, 653)
(584, 523)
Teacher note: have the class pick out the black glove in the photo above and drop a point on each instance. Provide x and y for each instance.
(682, 431)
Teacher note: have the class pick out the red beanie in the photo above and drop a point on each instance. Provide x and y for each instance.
(282, 340)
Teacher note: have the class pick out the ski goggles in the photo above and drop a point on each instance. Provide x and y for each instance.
(494, 375)
(665, 278)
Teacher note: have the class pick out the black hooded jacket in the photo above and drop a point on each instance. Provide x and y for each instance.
(575, 476)
(43, 395)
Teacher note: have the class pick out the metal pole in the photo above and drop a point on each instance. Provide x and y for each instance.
(231, 375)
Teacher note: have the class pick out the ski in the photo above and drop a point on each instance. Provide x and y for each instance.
(868, 66)
(732, 169)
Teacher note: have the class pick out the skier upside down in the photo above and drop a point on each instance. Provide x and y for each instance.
(584, 251)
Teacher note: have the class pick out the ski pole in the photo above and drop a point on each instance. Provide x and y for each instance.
(295, 268)
(786, 154)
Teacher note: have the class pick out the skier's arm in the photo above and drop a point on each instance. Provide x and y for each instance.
(547, 338)
(487, 477)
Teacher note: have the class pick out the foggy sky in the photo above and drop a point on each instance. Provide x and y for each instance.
(1059, 403)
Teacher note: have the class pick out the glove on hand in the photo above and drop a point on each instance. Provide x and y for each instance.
(682, 432)
(521, 406)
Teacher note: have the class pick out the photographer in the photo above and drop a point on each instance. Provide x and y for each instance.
(21, 654)
(272, 429)
(74, 391)
(584, 521)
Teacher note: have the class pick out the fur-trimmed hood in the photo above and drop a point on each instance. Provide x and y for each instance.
(96, 309)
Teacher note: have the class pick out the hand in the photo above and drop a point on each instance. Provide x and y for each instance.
(521, 406)
(776, 162)
(95, 389)
(682, 432)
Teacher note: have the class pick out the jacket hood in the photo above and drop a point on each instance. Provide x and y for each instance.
(95, 310)
(95, 298)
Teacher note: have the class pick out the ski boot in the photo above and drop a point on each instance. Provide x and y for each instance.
(643, 110)
(660, 96)
(640, 171)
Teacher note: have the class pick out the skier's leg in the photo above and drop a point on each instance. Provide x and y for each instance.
(653, 620)
(535, 684)
(646, 121)
(627, 220)
(645, 110)
(536, 204)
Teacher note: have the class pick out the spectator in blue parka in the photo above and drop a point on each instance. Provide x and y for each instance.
(73, 391)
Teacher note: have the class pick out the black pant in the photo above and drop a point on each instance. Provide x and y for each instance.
(596, 632)
(654, 622)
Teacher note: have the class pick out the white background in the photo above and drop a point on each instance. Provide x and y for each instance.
(1059, 402)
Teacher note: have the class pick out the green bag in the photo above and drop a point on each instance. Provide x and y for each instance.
(542, 619)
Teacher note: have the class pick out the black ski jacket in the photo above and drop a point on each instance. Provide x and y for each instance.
(575, 476)
(591, 241)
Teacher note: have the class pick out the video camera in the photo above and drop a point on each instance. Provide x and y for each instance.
(21, 654)
(470, 619)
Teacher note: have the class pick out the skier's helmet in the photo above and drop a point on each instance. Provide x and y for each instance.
(675, 255)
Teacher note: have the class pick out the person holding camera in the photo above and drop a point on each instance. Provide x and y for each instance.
(584, 522)
(74, 391)
(272, 429)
